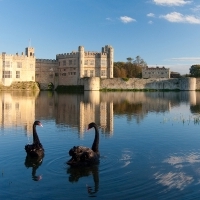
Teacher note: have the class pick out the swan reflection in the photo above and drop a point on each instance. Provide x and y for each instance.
(35, 163)
(78, 172)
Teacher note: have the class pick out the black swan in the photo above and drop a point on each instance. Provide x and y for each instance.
(84, 156)
(36, 149)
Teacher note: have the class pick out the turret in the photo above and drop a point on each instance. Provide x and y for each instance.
(110, 52)
(29, 51)
(81, 61)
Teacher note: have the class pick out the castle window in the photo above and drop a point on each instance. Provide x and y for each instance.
(86, 62)
(16, 106)
(6, 63)
(63, 74)
(74, 73)
(85, 73)
(74, 62)
(19, 64)
(50, 75)
(70, 62)
(103, 62)
(91, 73)
(103, 72)
(91, 62)
(8, 106)
(7, 74)
(64, 62)
(17, 74)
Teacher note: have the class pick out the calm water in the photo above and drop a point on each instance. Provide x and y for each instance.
(149, 145)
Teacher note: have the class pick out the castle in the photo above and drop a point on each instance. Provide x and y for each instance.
(15, 68)
(66, 69)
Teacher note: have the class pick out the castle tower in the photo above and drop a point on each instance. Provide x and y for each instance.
(81, 61)
(110, 66)
(30, 52)
(110, 52)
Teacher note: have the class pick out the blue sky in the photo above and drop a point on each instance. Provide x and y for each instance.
(162, 32)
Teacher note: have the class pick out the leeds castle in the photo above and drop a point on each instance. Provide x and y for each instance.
(92, 70)
(66, 69)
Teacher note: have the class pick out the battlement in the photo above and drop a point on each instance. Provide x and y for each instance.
(88, 53)
(66, 55)
(46, 60)
(13, 55)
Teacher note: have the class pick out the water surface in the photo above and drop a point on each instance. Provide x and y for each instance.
(149, 145)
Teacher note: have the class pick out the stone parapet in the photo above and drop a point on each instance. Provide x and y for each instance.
(148, 84)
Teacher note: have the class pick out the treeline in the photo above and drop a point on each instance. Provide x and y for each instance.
(130, 69)
(195, 71)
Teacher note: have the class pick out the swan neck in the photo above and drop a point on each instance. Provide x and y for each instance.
(95, 146)
(35, 135)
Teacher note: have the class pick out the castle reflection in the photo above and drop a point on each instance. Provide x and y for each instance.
(18, 109)
(78, 110)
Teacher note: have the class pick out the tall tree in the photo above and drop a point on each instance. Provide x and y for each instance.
(129, 59)
(131, 69)
(117, 72)
(139, 61)
(195, 70)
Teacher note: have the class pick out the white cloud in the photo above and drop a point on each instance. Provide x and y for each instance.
(150, 22)
(126, 19)
(196, 9)
(178, 17)
(171, 2)
(193, 59)
(109, 19)
(150, 15)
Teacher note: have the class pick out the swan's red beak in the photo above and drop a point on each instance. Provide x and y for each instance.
(40, 124)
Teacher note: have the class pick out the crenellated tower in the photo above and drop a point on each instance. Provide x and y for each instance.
(110, 53)
(81, 61)
(30, 52)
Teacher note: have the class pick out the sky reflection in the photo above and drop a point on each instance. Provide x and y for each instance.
(179, 176)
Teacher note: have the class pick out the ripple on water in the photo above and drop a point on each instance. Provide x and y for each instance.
(113, 166)
(56, 166)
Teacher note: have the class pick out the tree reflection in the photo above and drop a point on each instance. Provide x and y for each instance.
(78, 172)
(195, 108)
(131, 110)
(128, 108)
(34, 163)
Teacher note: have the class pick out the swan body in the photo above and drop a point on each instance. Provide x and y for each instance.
(85, 156)
(36, 149)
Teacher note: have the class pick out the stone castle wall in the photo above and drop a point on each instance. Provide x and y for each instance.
(197, 83)
(46, 72)
(142, 84)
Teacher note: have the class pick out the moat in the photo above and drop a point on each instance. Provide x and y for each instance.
(149, 145)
